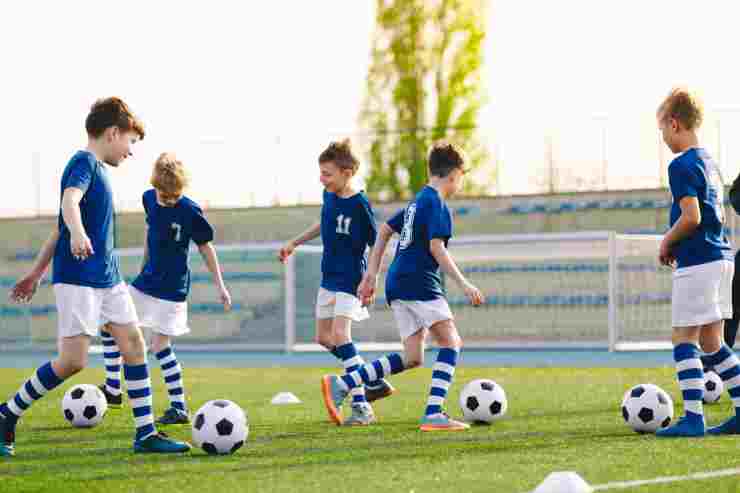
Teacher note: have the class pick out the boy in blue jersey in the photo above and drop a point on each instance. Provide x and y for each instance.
(697, 247)
(347, 228)
(87, 283)
(414, 291)
(161, 289)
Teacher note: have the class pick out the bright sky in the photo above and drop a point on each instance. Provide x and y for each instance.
(248, 93)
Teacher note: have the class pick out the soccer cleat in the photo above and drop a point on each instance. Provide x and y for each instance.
(441, 422)
(334, 395)
(685, 427)
(362, 415)
(729, 427)
(114, 401)
(174, 416)
(375, 392)
(7, 437)
(160, 443)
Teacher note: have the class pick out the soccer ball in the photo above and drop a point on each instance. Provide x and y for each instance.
(483, 401)
(646, 408)
(220, 427)
(84, 406)
(713, 387)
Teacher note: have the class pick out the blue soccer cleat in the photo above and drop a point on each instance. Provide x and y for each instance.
(729, 427)
(173, 416)
(159, 443)
(685, 427)
(7, 437)
(334, 395)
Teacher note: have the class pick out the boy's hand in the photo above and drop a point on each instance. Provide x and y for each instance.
(473, 294)
(366, 290)
(81, 246)
(225, 298)
(286, 251)
(665, 256)
(24, 289)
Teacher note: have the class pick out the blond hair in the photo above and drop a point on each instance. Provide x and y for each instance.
(169, 177)
(684, 107)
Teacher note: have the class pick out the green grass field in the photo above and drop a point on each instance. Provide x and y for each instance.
(558, 419)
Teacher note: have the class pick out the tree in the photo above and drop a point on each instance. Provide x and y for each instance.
(424, 84)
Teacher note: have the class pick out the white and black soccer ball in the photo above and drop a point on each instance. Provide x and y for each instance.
(713, 387)
(483, 401)
(646, 408)
(220, 427)
(84, 406)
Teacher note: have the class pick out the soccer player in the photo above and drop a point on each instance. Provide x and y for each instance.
(347, 228)
(87, 282)
(698, 248)
(414, 291)
(161, 289)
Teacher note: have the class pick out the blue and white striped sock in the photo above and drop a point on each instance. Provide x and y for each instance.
(172, 373)
(380, 368)
(139, 388)
(352, 362)
(727, 366)
(112, 357)
(690, 379)
(442, 374)
(43, 381)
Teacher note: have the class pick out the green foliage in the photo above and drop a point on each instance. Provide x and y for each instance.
(424, 84)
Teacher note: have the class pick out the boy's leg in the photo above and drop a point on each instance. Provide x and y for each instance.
(449, 342)
(72, 358)
(690, 375)
(362, 412)
(727, 366)
(336, 388)
(172, 374)
(112, 358)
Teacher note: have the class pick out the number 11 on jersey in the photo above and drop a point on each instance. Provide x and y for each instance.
(343, 224)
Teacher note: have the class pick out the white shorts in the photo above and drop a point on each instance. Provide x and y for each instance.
(332, 304)
(83, 310)
(702, 294)
(169, 318)
(412, 316)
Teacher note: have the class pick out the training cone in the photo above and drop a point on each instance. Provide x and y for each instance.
(563, 482)
(285, 398)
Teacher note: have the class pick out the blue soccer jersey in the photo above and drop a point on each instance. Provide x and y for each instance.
(695, 174)
(100, 270)
(166, 274)
(414, 274)
(347, 229)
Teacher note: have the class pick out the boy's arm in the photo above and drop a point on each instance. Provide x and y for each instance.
(79, 242)
(24, 289)
(308, 235)
(683, 228)
(448, 265)
(211, 259)
(366, 289)
(145, 256)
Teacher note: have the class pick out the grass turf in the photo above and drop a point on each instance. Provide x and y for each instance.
(558, 419)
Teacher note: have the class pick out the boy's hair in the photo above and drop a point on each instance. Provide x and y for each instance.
(169, 175)
(445, 157)
(340, 153)
(112, 112)
(684, 107)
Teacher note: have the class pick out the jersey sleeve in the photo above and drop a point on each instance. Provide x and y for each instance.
(396, 220)
(145, 202)
(440, 221)
(372, 228)
(80, 175)
(202, 230)
(683, 182)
